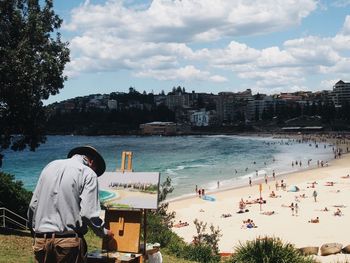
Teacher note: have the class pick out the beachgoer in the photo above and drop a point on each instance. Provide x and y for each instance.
(250, 181)
(316, 220)
(265, 179)
(241, 204)
(64, 202)
(296, 208)
(314, 194)
(338, 212)
(273, 175)
(156, 256)
(292, 208)
(218, 183)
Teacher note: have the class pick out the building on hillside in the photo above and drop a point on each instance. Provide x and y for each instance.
(160, 99)
(178, 100)
(341, 94)
(232, 106)
(201, 118)
(158, 128)
(256, 107)
(112, 104)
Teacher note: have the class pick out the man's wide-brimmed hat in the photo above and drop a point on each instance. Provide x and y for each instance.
(93, 154)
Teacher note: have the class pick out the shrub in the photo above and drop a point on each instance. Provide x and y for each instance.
(266, 250)
(210, 239)
(200, 253)
(13, 196)
(158, 232)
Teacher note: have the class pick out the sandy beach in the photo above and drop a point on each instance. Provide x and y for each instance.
(290, 225)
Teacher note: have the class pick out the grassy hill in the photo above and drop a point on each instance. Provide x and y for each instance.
(16, 247)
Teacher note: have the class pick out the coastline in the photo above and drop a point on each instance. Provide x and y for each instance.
(293, 229)
(243, 181)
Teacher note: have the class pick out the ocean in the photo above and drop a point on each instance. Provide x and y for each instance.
(205, 161)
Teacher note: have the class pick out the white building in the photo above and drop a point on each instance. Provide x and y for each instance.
(341, 93)
(200, 118)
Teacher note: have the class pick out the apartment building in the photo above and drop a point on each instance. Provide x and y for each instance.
(341, 93)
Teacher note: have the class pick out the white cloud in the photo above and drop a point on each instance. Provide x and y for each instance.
(165, 41)
(312, 51)
(190, 20)
(346, 26)
(186, 73)
(274, 57)
(327, 84)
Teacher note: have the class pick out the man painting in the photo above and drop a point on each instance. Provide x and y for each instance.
(65, 201)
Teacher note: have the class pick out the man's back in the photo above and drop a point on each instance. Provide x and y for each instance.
(58, 196)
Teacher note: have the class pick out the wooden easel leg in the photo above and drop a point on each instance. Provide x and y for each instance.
(144, 233)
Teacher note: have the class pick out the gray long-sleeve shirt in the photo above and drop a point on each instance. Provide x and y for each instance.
(66, 199)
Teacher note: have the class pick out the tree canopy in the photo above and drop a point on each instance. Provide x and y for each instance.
(32, 60)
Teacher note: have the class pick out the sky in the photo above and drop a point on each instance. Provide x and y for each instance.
(210, 46)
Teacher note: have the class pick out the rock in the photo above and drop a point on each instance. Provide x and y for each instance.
(309, 250)
(346, 249)
(330, 249)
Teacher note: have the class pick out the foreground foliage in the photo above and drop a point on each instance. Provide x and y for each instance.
(13, 195)
(268, 250)
(32, 60)
(159, 225)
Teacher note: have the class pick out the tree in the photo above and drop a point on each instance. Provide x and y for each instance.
(13, 195)
(32, 60)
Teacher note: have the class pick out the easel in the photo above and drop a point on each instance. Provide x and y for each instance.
(129, 162)
(126, 226)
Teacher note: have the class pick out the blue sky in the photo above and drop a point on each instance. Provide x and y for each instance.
(269, 46)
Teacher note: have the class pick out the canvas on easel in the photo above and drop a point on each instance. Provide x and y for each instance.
(126, 226)
(129, 190)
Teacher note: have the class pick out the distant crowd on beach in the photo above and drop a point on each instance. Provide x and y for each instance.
(339, 143)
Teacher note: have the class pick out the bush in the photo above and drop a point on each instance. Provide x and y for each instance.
(200, 253)
(13, 196)
(158, 232)
(266, 250)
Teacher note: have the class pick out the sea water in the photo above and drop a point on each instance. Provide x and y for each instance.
(207, 162)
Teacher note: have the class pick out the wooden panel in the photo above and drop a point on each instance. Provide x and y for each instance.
(126, 226)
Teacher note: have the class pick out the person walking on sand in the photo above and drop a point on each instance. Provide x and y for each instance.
(65, 201)
(296, 208)
(314, 194)
(250, 181)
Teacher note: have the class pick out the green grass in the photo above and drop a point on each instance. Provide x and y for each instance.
(16, 247)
